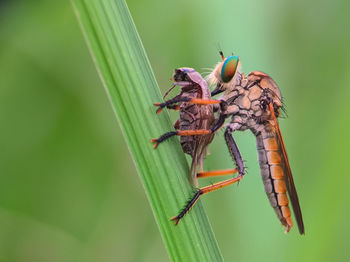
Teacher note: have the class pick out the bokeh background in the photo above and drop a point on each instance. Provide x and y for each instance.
(69, 190)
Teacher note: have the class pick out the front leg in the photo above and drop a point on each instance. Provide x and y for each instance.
(234, 151)
(218, 124)
(172, 103)
(195, 132)
(179, 99)
(216, 92)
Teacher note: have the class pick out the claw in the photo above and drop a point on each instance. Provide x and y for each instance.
(176, 219)
(160, 109)
(155, 141)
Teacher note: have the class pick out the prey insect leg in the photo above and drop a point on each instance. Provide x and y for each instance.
(236, 156)
(182, 83)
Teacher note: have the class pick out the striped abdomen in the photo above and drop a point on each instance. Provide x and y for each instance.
(273, 175)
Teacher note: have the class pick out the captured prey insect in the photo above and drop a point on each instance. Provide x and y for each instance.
(253, 103)
(192, 117)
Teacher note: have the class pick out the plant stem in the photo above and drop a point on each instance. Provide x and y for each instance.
(128, 79)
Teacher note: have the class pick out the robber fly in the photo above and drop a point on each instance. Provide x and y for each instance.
(253, 103)
(192, 116)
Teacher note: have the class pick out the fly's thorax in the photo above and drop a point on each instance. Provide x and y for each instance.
(245, 101)
(264, 82)
(241, 105)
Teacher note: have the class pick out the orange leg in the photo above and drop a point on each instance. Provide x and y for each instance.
(236, 156)
(164, 137)
(205, 190)
(219, 123)
(175, 100)
(217, 173)
(204, 101)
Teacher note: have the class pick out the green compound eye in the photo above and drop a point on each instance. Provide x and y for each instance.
(229, 68)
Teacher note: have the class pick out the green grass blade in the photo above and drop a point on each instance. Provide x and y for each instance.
(130, 84)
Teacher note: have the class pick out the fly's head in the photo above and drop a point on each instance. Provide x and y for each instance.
(224, 74)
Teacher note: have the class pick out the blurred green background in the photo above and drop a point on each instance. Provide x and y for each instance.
(69, 190)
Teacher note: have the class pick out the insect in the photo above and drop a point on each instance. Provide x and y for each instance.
(253, 103)
(192, 116)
